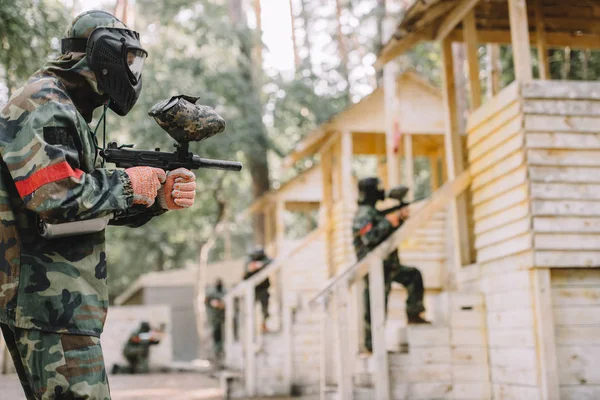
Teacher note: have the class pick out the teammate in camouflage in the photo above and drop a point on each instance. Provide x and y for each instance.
(257, 260)
(53, 293)
(215, 310)
(137, 348)
(369, 229)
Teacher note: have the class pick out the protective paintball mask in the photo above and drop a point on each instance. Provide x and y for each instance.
(116, 57)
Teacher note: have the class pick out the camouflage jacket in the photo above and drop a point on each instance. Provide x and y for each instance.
(215, 315)
(369, 229)
(49, 169)
(264, 285)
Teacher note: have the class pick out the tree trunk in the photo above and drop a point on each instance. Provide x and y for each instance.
(201, 282)
(307, 39)
(294, 39)
(342, 49)
(258, 58)
(585, 63)
(251, 110)
(380, 14)
(566, 70)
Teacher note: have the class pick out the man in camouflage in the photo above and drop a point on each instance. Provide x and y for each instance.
(257, 260)
(215, 310)
(369, 229)
(137, 348)
(53, 293)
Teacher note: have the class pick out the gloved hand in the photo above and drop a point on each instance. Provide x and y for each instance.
(179, 190)
(145, 182)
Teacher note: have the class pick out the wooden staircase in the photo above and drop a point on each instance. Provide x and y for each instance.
(446, 360)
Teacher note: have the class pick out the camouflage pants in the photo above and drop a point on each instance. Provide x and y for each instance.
(410, 278)
(53, 366)
(217, 334)
(263, 297)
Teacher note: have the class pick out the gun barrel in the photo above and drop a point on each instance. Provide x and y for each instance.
(216, 164)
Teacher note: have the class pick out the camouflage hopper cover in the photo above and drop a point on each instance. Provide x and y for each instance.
(185, 121)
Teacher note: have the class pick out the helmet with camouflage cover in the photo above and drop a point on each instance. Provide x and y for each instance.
(113, 53)
(84, 24)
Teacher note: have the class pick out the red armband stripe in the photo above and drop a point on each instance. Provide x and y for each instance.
(366, 228)
(46, 175)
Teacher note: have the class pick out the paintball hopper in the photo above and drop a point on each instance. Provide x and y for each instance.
(398, 193)
(185, 121)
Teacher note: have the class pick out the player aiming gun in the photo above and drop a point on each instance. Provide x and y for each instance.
(396, 193)
(184, 121)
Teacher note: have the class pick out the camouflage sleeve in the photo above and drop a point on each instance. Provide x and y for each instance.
(137, 215)
(47, 160)
(373, 229)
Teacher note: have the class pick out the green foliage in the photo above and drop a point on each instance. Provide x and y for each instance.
(29, 30)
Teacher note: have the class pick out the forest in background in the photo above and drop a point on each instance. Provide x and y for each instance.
(213, 49)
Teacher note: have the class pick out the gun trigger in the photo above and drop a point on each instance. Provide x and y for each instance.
(127, 146)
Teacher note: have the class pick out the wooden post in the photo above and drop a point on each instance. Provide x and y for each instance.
(470, 35)
(409, 166)
(389, 90)
(493, 54)
(268, 217)
(519, 32)
(343, 351)
(359, 337)
(544, 330)
(288, 350)
(381, 376)
(229, 315)
(249, 350)
(454, 158)
(347, 192)
(541, 41)
(327, 204)
(279, 226)
(325, 353)
(435, 173)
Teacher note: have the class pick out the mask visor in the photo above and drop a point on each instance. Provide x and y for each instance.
(135, 62)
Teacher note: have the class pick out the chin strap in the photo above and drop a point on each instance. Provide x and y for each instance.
(102, 121)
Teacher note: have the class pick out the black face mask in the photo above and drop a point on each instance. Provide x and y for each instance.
(116, 57)
(219, 287)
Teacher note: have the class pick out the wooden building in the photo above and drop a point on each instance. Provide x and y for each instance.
(519, 306)
(287, 358)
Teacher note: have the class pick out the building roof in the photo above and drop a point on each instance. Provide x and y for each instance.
(305, 187)
(567, 23)
(368, 116)
(183, 277)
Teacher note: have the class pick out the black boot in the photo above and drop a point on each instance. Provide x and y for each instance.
(417, 319)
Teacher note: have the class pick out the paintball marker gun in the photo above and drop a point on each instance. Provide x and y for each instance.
(184, 121)
(396, 193)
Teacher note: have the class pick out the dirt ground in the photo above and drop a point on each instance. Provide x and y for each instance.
(175, 386)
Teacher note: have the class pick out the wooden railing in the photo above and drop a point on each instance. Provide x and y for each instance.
(245, 291)
(338, 290)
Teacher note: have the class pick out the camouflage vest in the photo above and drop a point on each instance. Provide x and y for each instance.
(369, 229)
(49, 169)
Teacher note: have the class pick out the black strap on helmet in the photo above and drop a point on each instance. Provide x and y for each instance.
(73, 45)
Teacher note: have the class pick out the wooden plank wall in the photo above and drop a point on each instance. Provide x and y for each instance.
(562, 122)
(500, 187)
(504, 242)
(576, 306)
(343, 249)
(303, 277)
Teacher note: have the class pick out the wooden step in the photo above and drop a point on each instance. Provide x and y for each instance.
(360, 393)
(427, 336)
